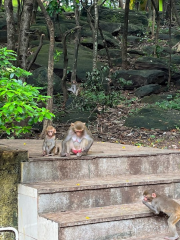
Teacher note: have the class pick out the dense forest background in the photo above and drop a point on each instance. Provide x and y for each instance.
(111, 64)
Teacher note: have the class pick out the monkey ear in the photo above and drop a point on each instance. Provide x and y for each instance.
(72, 124)
(153, 195)
(54, 130)
(84, 123)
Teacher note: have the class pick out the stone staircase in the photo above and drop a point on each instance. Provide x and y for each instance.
(96, 197)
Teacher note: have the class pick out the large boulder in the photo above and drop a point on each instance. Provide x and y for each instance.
(151, 63)
(39, 78)
(147, 90)
(155, 118)
(84, 62)
(141, 77)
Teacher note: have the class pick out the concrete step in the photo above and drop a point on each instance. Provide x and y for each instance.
(141, 161)
(87, 193)
(149, 237)
(111, 222)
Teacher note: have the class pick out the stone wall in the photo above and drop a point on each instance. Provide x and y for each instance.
(10, 175)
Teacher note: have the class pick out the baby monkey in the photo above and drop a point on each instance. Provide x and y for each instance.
(77, 141)
(49, 145)
(160, 203)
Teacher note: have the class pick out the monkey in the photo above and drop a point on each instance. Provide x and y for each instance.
(49, 145)
(77, 141)
(160, 203)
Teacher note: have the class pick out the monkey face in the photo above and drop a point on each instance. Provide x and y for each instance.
(147, 198)
(79, 133)
(50, 133)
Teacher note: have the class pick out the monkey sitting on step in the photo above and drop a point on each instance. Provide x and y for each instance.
(49, 145)
(77, 141)
(160, 203)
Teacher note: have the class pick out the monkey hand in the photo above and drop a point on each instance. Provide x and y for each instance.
(44, 153)
(144, 202)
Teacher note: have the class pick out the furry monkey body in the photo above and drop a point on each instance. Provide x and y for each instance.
(78, 140)
(160, 203)
(49, 144)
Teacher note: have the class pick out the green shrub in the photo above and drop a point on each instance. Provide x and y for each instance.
(18, 100)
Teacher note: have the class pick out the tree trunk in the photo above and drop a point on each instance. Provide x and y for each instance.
(170, 42)
(35, 7)
(121, 5)
(76, 48)
(176, 13)
(158, 21)
(153, 23)
(10, 24)
(50, 65)
(95, 35)
(124, 37)
(24, 33)
(65, 67)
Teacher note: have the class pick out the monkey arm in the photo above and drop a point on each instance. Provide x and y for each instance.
(64, 143)
(153, 209)
(90, 142)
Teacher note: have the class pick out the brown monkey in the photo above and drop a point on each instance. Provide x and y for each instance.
(160, 203)
(49, 144)
(78, 140)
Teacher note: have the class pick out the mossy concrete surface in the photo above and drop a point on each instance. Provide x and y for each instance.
(10, 174)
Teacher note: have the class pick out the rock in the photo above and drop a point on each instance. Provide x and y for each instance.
(155, 118)
(117, 16)
(132, 30)
(141, 77)
(151, 63)
(153, 98)
(158, 64)
(147, 90)
(76, 115)
(84, 62)
(175, 59)
(39, 79)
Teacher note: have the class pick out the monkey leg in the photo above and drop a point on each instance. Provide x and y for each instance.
(172, 220)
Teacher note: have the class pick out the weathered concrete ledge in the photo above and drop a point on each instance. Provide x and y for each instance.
(10, 175)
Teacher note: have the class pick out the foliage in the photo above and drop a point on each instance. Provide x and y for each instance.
(57, 7)
(172, 104)
(96, 91)
(18, 100)
(57, 55)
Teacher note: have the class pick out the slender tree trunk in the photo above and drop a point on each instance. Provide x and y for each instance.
(170, 42)
(10, 24)
(35, 7)
(176, 13)
(76, 48)
(24, 33)
(106, 47)
(50, 65)
(121, 4)
(65, 67)
(124, 37)
(158, 21)
(153, 23)
(95, 35)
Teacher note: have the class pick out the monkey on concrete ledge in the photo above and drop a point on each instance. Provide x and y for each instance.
(77, 141)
